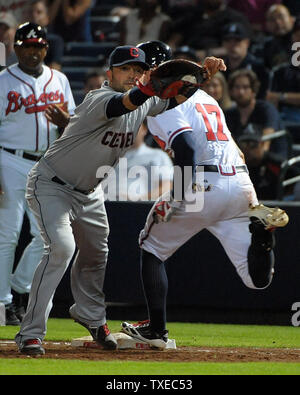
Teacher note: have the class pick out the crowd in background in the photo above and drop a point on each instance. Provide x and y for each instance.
(259, 92)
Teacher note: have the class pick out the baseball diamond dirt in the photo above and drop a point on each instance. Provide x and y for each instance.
(64, 350)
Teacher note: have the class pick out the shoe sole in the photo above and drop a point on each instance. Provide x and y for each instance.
(33, 351)
(131, 331)
(108, 345)
(276, 218)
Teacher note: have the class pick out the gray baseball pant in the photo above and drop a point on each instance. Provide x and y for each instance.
(66, 219)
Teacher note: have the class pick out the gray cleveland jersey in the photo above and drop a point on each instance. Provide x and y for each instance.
(91, 140)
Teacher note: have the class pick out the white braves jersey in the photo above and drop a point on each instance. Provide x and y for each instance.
(23, 100)
(202, 116)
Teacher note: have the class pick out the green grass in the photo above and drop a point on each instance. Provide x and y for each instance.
(187, 334)
(63, 367)
(201, 335)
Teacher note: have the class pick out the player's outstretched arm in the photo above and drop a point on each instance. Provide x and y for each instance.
(124, 103)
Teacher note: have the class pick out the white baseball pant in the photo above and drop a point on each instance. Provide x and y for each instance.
(13, 205)
(224, 214)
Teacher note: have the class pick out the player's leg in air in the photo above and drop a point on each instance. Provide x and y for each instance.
(253, 263)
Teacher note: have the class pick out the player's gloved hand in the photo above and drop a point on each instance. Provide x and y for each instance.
(164, 210)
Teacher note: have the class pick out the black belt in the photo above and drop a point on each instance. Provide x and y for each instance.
(218, 169)
(59, 181)
(24, 155)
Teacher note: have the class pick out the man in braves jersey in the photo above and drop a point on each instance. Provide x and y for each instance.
(197, 133)
(27, 89)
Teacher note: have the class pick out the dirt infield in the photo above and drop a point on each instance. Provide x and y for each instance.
(64, 350)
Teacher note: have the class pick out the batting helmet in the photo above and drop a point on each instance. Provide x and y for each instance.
(156, 52)
(30, 33)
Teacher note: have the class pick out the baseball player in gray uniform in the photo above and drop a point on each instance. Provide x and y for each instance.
(64, 194)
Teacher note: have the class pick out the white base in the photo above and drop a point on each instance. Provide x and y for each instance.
(125, 342)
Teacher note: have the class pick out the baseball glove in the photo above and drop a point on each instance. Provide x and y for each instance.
(175, 77)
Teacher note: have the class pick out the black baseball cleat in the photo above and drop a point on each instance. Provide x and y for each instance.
(143, 331)
(31, 347)
(270, 218)
(11, 317)
(100, 334)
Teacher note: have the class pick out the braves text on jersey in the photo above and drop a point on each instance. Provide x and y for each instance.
(23, 100)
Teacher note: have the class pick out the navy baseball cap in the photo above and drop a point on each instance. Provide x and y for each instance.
(29, 33)
(128, 54)
(235, 30)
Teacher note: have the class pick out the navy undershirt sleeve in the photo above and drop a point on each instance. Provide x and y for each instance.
(185, 155)
(115, 107)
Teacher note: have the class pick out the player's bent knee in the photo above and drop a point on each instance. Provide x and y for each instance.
(62, 251)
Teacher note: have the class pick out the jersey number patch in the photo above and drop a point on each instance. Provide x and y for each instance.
(212, 109)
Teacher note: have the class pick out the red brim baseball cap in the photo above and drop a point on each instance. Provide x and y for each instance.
(40, 41)
(30, 33)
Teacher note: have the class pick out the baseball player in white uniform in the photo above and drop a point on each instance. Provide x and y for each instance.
(27, 89)
(64, 194)
(197, 133)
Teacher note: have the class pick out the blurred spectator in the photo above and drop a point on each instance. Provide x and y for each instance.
(38, 13)
(94, 80)
(293, 6)
(123, 9)
(8, 25)
(285, 86)
(180, 12)
(186, 52)
(254, 10)
(264, 166)
(203, 28)
(218, 89)
(236, 41)
(149, 172)
(19, 9)
(145, 23)
(243, 87)
(70, 19)
(179, 8)
(280, 24)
